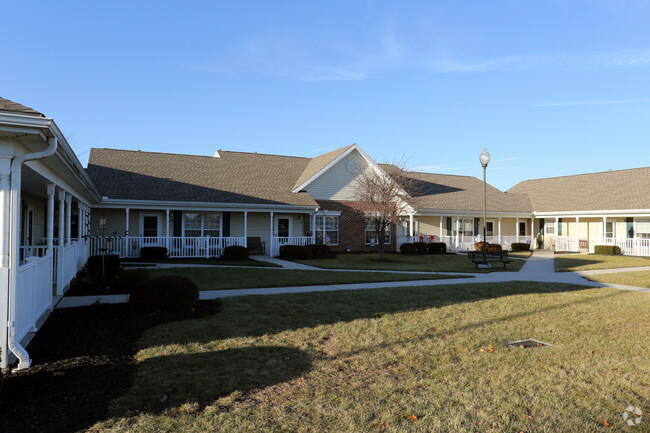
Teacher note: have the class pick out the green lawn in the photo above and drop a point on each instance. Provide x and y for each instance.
(638, 279)
(588, 262)
(241, 278)
(399, 360)
(398, 262)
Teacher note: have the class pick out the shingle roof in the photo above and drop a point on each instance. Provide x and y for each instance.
(609, 190)
(317, 163)
(234, 177)
(451, 192)
(14, 107)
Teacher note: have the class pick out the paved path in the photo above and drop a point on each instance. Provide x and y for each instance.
(539, 267)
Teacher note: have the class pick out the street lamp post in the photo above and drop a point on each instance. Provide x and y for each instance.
(484, 158)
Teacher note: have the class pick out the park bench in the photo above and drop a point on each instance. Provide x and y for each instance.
(497, 257)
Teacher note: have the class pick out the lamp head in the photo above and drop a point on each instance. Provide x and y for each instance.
(484, 158)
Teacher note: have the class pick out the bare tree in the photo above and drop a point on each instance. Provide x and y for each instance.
(384, 194)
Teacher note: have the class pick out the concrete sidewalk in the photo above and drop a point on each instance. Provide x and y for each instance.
(540, 267)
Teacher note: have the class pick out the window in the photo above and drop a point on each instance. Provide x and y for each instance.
(466, 227)
(522, 229)
(643, 228)
(371, 232)
(489, 228)
(549, 228)
(331, 224)
(201, 224)
(610, 229)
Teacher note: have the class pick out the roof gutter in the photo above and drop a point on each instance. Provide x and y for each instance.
(14, 220)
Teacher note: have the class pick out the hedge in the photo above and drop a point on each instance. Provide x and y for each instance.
(609, 250)
(235, 252)
(520, 246)
(437, 248)
(153, 253)
(408, 249)
(295, 252)
(421, 247)
(319, 250)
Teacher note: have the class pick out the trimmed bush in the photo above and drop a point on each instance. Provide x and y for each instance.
(608, 250)
(421, 247)
(104, 268)
(169, 294)
(319, 250)
(235, 252)
(437, 248)
(295, 252)
(478, 246)
(495, 248)
(132, 277)
(520, 246)
(153, 253)
(408, 249)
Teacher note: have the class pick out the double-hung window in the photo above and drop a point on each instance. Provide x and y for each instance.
(329, 224)
(201, 224)
(549, 228)
(466, 227)
(371, 232)
(643, 228)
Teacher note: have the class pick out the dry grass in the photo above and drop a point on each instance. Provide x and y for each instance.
(398, 360)
(638, 279)
(589, 262)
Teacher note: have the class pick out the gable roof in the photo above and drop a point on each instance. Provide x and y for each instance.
(318, 165)
(14, 107)
(233, 177)
(464, 193)
(609, 190)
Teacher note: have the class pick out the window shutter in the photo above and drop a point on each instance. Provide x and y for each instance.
(226, 224)
(477, 221)
(630, 227)
(559, 227)
(448, 223)
(177, 216)
(541, 226)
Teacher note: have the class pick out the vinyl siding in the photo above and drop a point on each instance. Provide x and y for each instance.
(337, 183)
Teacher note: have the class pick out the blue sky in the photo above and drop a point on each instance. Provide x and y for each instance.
(551, 88)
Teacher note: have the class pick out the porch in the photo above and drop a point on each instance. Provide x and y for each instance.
(465, 243)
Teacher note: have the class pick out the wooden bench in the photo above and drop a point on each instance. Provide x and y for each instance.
(255, 246)
(496, 257)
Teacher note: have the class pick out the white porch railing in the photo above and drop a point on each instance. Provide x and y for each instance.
(631, 246)
(567, 243)
(129, 247)
(68, 260)
(466, 243)
(33, 294)
(31, 251)
(277, 242)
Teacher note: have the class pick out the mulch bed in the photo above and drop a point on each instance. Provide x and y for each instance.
(83, 358)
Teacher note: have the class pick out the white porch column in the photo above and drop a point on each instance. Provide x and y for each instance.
(578, 232)
(51, 189)
(271, 237)
(517, 229)
(313, 228)
(457, 231)
(532, 233)
(127, 245)
(411, 225)
(603, 234)
(61, 217)
(68, 218)
(167, 229)
(80, 209)
(5, 211)
(499, 230)
(246, 228)
(441, 227)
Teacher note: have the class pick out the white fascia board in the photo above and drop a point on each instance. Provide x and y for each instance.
(325, 212)
(186, 205)
(322, 171)
(595, 213)
(475, 213)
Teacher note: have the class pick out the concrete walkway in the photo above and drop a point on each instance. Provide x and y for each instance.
(540, 267)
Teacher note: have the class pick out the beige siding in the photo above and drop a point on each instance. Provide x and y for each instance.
(259, 226)
(337, 183)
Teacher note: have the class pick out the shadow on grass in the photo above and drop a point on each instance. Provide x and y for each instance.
(253, 316)
(201, 378)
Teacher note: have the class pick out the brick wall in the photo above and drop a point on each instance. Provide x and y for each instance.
(352, 226)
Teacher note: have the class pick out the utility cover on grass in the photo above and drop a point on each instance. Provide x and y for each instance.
(528, 344)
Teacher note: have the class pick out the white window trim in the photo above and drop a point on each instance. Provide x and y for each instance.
(366, 231)
(158, 223)
(277, 218)
(202, 213)
(547, 225)
(322, 216)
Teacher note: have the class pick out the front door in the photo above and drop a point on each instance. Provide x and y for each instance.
(522, 229)
(283, 227)
(150, 226)
(489, 228)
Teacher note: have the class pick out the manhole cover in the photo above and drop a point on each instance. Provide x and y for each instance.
(528, 344)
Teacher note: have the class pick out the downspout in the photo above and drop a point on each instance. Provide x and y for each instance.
(14, 206)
